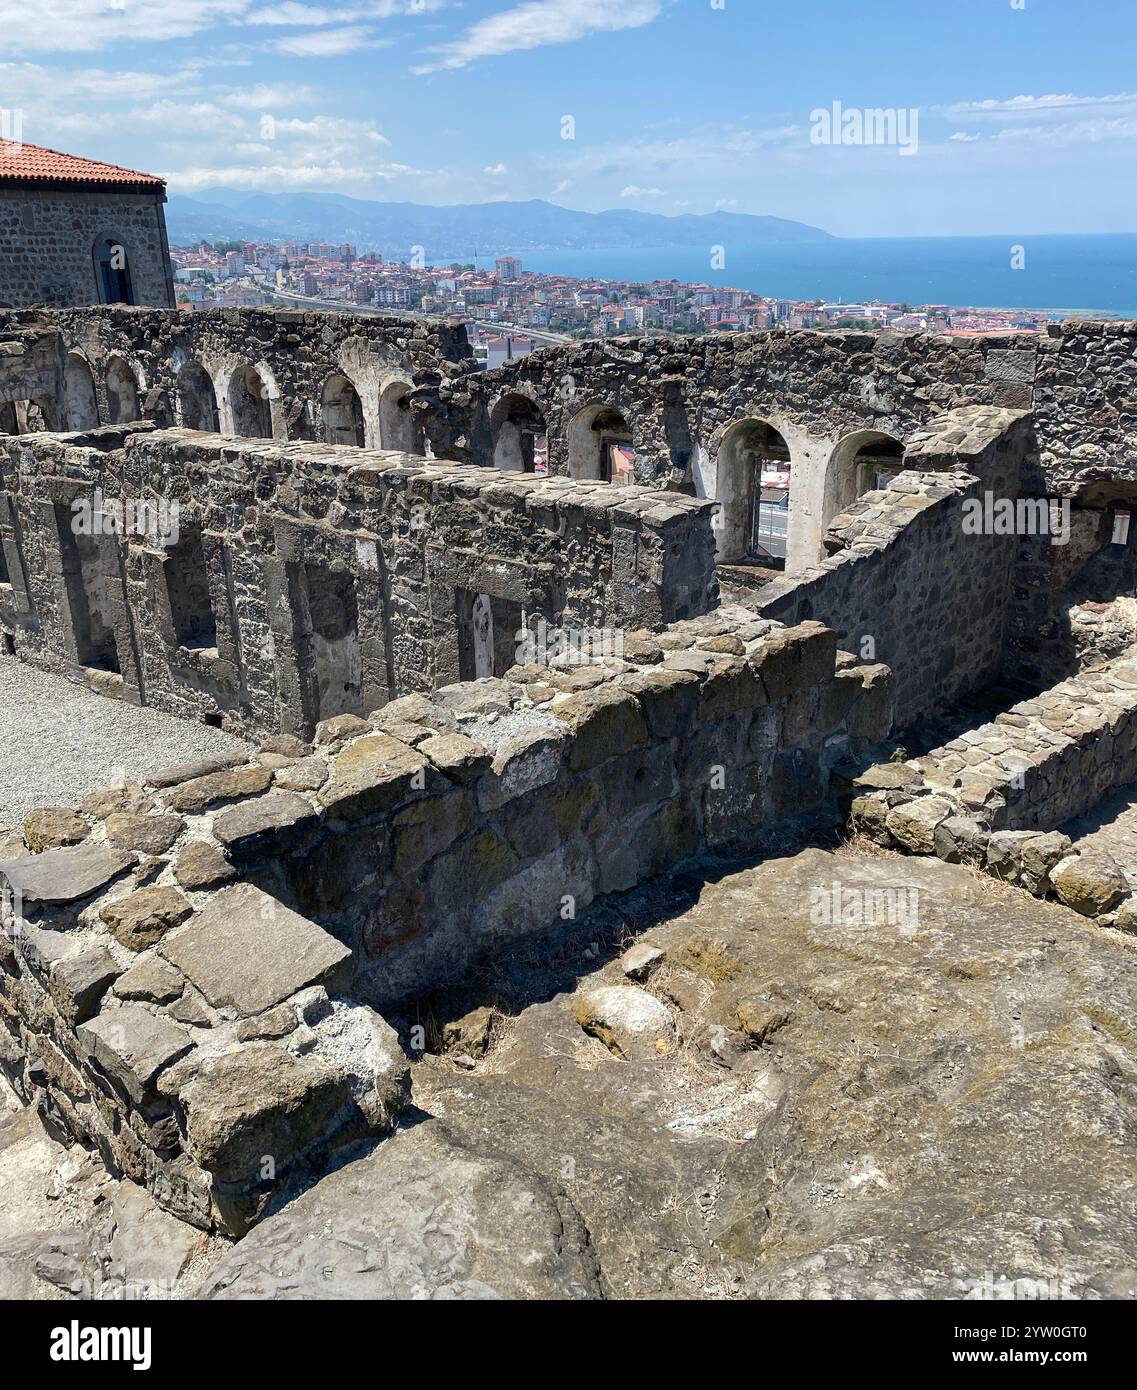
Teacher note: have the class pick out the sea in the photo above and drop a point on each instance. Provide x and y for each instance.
(1060, 275)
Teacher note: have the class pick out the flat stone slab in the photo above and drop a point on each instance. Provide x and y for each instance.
(267, 823)
(248, 951)
(133, 1045)
(64, 875)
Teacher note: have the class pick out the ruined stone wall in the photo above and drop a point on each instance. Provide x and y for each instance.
(997, 796)
(180, 367)
(48, 242)
(298, 581)
(682, 399)
(181, 962)
(906, 583)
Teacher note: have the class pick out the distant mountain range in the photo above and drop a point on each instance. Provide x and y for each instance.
(453, 233)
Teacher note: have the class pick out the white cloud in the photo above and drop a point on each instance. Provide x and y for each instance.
(562, 187)
(76, 26)
(329, 43)
(1031, 105)
(633, 190)
(723, 203)
(537, 23)
(290, 12)
(963, 137)
(279, 176)
(495, 171)
(79, 26)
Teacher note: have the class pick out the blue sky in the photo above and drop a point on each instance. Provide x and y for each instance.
(1027, 108)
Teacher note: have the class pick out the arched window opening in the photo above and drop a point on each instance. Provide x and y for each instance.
(343, 413)
(250, 404)
(862, 462)
(112, 272)
(398, 428)
(122, 392)
(520, 435)
(80, 403)
(197, 400)
(753, 492)
(600, 446)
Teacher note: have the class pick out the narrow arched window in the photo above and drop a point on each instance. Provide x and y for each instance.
(112, 272)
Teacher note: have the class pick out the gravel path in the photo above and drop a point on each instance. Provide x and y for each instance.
(59, 741)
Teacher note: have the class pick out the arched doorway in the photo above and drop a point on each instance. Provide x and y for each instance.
(122, 392)
(80, 404)
(861, 462)
(600, 446)
(342, 412)
(398, 428)
(249, 404)
(752, 487)
(197, 400)
(520, 436)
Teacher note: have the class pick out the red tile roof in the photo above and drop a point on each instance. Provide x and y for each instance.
(21, 163)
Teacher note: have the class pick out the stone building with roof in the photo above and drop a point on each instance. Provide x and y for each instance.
(78, 231)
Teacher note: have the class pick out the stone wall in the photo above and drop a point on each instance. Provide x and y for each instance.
(286, 583)
(905, 582)
(682, 399)
(825, 393)
(288, 374)
(181, 961)
(48, 242)
(996, 797)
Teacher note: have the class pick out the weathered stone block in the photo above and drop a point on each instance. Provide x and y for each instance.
(147, 834)
(132, 1045)
(52, 827)
(604, 722)
(244, 950)
(59, 876)
(669, 699)
(79, 982)
(374, 774)
(215, 788)
(259, 1101)
(202, 865)
(146, 915)
(267, 826)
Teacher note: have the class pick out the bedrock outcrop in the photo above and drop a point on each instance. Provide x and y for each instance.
(891, 1078)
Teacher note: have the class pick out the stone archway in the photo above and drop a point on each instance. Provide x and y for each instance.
(80, 401)
(752, 488)
(342, 412)
(249, 400)
(197, 400)
(599, 445)
(862, 461)
(520, 435)
(398, 428)
(122, 392)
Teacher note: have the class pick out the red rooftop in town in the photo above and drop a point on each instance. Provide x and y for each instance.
(23, 164)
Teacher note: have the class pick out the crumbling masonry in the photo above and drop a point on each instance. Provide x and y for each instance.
(343, 557)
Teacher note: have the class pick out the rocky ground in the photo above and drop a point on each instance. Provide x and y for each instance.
(724, 1089)
(1112, 827)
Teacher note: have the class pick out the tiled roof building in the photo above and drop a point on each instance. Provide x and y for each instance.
(79, 231)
